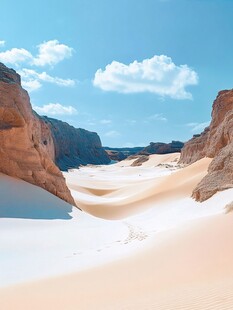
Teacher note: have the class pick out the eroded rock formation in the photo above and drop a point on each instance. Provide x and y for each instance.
(26, 143)
(116, 155)
(215, 142)
(75, 146)
(162, 148)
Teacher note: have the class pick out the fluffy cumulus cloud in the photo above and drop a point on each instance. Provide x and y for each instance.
(15, 56)
(30, 85)
(55, 109)
(52, 52)
(32, 80)
(158, 75)
(198, 127)
(49, 53)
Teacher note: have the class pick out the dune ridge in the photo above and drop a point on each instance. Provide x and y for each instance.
(113, 196)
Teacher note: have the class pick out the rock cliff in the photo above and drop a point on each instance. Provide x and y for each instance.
(26, 143)
(215, 142)
(162, 148)
(75, 146)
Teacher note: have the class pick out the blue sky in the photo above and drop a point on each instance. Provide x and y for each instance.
(133, 71)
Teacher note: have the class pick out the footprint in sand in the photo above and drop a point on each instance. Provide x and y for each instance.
(135, 233)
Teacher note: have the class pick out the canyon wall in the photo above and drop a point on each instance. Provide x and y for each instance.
(215, 142)
(75, 146)
(26, 143)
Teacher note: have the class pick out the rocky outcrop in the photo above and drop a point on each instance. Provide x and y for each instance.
(162, 148)
(140, 159)
(75, 146)
(116, 155)
(121, 153)
(26, 143)
(219, 177)
(215, 142)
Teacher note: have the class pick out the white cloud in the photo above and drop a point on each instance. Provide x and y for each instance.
(15, 56)
(157, 117)
(52, 52)
(105, 121)
(49, 53)
(158, 75)
(31, 80)
(31, 85)
(55, 109)
(198, 127)
(112, 134)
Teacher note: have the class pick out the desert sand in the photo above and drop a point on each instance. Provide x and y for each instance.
(142, 242)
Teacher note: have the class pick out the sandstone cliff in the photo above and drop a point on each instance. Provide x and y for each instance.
(26, 144)
(75, 146)
(215, 142)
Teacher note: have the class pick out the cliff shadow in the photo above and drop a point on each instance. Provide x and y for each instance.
(19, 199)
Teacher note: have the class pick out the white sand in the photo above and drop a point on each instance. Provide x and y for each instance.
(166, 250)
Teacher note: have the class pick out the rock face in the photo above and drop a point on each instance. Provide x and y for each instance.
(116, 155)
(119, 154)
(26, 143)
(162, 148)
(122, 153)
(75, 146)
(215, 142)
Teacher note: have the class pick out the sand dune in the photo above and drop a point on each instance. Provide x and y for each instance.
(113, 196)
(165, 251)
(188, 268)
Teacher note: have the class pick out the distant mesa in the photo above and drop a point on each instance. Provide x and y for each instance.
(118, 154)
(162, 148)
(216, 142)
(140, 154)
(115, 155)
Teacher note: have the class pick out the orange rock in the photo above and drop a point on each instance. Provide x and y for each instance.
(26, 144)
(215, 142)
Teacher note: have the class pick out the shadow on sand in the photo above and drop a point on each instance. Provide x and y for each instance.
(19, 199)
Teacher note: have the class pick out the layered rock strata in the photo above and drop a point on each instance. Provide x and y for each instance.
(26, 143)
(215, 142)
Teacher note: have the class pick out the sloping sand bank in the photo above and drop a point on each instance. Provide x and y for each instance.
(115, 192)
(187, 268)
